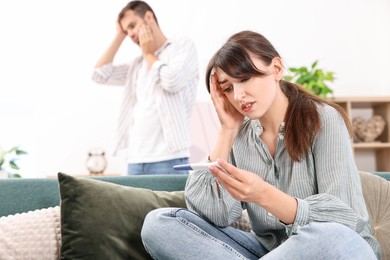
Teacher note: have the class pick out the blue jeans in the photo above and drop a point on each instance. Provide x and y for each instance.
(170, 233)
(163, 167)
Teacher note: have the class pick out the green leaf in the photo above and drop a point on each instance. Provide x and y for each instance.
(293, 69)
(14, 175)
(13, 165)
(312, 78)
(303, 79)
(20, 152)
(303, 70)
(314, 64)
(329, 76)
(13, 149)
(309, 86)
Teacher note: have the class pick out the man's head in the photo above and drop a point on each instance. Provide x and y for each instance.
(134, 15)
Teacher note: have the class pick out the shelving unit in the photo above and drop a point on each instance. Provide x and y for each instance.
(360, 106)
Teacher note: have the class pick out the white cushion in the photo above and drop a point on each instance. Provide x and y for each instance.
(31, 235)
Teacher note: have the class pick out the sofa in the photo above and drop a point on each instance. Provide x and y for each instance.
(90, 224)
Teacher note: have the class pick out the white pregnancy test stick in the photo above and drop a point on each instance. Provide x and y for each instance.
(195, 166)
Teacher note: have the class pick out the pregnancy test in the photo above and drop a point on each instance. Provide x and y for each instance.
(195, 166)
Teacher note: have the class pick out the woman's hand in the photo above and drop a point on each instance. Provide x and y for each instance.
(228, 116)
(248, 187)
(242, 185)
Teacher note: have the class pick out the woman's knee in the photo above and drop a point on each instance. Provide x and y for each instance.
(339, 239)
(332, 230)
(323, 241)
(157, 223)
(153, 221)
(323, 231)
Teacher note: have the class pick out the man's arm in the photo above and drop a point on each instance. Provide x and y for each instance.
(109, 54)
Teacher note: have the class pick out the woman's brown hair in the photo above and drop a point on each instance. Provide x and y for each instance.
(302, 120)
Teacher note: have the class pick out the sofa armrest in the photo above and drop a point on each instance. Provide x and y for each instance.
(385, 175)
(22, 195)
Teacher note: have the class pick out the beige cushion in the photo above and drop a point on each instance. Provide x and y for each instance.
(376, 191)
(243, 223)
(31, 235)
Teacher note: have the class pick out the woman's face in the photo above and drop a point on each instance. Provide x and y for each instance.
(252, 96)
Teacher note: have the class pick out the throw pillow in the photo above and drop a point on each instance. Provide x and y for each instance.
(101, 220)
(376, 191)
(31, 235)
(243, 223)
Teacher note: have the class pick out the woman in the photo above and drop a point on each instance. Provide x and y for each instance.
(286, 157)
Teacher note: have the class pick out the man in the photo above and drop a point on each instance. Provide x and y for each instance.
(160, 90)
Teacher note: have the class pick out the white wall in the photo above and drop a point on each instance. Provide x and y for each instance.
(51, 108)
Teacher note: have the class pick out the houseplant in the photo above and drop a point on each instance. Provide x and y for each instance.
(8, 162)
(312, 78)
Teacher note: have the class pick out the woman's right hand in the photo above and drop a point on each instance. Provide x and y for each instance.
(228, 115)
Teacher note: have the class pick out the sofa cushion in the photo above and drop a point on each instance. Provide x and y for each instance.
(376, 191)
(243, 223)
(101, 220)
(31, 235)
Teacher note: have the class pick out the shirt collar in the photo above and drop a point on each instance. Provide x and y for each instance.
(168, 42)
(259, 129)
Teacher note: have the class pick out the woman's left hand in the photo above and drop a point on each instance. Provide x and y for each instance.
(248, 187)
(242, 185)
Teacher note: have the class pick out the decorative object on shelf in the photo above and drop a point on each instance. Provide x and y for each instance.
(313, 79)
(368, 131)
(96, 162)
(372, 156)
(8, 162)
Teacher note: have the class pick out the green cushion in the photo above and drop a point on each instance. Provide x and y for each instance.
(101, 220)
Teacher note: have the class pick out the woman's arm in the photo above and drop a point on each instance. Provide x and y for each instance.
(206, 196)
(340, 198)
(203, 193)
(249, 187)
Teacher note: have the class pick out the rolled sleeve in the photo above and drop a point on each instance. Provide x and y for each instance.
(154, 70)
(302, 218)
(111, 75)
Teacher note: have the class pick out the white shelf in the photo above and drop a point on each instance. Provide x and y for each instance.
(377, 106)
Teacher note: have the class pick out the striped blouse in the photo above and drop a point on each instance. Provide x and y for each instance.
(175, 75)
(326, 183)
